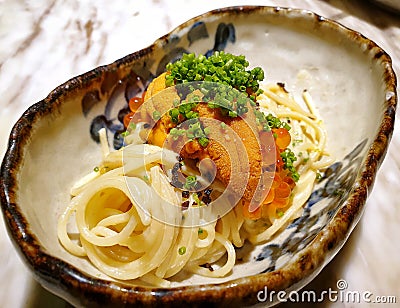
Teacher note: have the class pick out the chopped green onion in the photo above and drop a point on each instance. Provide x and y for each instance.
(288, 157)
(182, 250)
(220, 67)
(191, 182)
(269, 121)
(132, 126)
(177, 132)
(96, 169)
(204, 141)
(156, 115)
(228, 70)
(197, 200)
(297, 142)
(286, 126)
(174, 113)
(176, 102)
(194, 131)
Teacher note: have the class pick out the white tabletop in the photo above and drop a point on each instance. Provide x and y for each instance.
(44, 43)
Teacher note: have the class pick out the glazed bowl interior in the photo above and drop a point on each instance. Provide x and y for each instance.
(351, 83)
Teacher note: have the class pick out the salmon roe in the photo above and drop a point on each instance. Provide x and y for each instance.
(282, 185)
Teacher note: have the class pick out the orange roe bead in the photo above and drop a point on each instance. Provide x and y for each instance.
(135, 103)
(283, 138)
(283, 190)
(268, 147)
(128, 118)
(251, 215)
(280, 202)
(276, 182)
(289, 180)
(270, 197)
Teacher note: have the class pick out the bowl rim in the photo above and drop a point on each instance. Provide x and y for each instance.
(77, 287)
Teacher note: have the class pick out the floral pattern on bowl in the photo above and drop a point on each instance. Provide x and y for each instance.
(56, 141)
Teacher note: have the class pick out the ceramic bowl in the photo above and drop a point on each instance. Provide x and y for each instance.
(55, 142)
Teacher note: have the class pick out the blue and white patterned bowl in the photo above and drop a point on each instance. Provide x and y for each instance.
(55, 142)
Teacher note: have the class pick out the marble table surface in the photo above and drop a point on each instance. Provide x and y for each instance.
(44, 43)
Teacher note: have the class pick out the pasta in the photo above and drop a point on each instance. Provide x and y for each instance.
(134, 224)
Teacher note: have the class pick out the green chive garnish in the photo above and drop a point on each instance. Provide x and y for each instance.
(182, 250)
